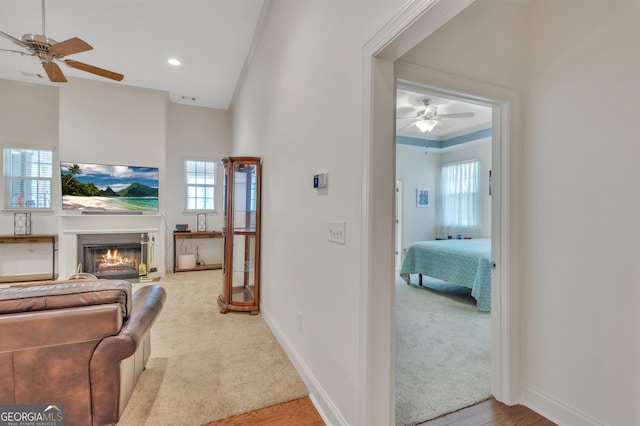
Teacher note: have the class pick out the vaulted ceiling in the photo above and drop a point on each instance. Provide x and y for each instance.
(211, 38)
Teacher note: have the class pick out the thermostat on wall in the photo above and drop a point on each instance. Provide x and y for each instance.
(320, 180)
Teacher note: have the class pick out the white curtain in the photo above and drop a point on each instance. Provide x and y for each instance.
(459, 205)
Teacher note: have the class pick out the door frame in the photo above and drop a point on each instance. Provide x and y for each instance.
(377, 308)
(417, 78)
(398, 220)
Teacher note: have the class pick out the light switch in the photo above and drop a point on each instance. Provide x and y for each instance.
(336, 231)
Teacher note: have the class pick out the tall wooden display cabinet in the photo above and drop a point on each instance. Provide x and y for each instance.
(241, 233)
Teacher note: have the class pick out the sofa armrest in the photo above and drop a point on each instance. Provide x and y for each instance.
(147, 303)
(105, 363)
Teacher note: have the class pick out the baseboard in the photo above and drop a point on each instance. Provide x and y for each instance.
(326, 408)
(553, 409)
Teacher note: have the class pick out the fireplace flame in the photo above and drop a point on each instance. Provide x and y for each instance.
(113, 261)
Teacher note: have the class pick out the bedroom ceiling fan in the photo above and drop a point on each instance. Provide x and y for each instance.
(429, 118)
(49, 51)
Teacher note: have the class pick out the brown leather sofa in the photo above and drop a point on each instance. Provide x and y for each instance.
(82, 345)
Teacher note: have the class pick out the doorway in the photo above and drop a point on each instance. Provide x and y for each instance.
(443, 340)
(381, 70)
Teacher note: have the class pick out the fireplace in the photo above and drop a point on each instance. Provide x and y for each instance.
(112, 256)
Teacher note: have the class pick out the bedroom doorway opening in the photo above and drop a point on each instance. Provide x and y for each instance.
(383, 66)
(443, 338)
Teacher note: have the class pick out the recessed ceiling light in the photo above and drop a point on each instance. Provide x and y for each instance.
(174, 61)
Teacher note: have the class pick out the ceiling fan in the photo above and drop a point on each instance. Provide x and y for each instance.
(49, 51)
(428, 119)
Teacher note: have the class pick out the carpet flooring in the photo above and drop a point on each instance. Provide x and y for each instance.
(443, 355)
(207, 366)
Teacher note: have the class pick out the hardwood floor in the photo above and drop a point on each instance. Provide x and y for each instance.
(301, 412)
(490, 413)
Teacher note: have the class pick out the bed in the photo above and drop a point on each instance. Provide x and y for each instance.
(461, 262)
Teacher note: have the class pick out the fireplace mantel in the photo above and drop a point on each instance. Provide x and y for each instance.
(110, 231)
(73, 225)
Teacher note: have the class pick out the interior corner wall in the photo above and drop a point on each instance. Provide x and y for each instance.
(417, 170)
(195, 133)
(300, 108)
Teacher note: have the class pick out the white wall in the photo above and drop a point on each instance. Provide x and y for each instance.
(110, 123)
(107, 122)
(575, 66)
(484, 43)
(300, 108)
(581, 322)
(417, 170)
(89, 121)
(28, 119)
(195, 133)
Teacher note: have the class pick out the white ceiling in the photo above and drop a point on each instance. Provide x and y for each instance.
(410, 103)
(212, 39)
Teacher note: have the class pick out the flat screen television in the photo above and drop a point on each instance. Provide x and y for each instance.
(105, 187)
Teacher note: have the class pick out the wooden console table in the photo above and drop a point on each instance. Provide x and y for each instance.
(32, 239)
(194, 236)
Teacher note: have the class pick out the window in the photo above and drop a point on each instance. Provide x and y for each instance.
(27, 178)
(200, 180)
(459, 198)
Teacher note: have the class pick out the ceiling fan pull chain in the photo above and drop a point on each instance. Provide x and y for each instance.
(44, 33)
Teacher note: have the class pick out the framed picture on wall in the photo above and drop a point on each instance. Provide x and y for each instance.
(422, 197)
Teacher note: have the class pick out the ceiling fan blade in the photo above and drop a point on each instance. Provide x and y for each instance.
(15, 40)
(54, 72)
(404, 127)
(458, 115)
(17, 51)
(94, 70)
(71, 46)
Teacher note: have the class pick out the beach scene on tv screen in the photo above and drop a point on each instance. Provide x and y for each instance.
(108, 187)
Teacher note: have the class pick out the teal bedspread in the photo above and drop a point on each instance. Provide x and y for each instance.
(461, 262)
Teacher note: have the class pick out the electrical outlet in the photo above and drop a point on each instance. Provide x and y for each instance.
(337, 231)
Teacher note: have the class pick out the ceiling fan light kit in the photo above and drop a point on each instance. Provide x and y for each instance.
(426, 126)
(427, 119)
(48, 51)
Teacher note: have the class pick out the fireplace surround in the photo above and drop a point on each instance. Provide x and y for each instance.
(113, 255)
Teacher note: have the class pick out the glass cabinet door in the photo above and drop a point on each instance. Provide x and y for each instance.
(244, 199)
(243, 276)
(241, 233)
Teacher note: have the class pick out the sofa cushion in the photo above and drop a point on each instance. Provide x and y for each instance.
(66, 295)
